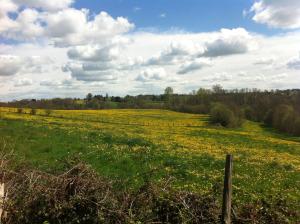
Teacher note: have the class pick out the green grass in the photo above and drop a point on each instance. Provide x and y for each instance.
(134, 145)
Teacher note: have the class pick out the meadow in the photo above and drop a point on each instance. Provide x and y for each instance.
(153, 145)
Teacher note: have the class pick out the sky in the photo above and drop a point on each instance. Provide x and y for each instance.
(68, 48)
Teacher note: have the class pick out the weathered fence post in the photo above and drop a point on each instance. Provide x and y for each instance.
(227, 191)
(2, 197)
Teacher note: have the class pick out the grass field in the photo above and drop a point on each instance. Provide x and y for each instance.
(129, 144)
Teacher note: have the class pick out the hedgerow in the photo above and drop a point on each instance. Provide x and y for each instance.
(80, 195)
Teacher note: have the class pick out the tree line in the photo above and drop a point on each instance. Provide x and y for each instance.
(279, 109)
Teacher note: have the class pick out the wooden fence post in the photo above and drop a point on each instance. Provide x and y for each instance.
(2, 197)
(227, 191)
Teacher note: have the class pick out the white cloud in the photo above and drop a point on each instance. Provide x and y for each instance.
(7, 6)
(6, 23)
(28, 25)
(151, 74)
(229, 42)
(279, 76)
(58, 83)
(25, 26)
(10, 65)
(81, 73)
(242, 74)
(97, 50)
(13, 64)
(223, 43)
(193, 66)
(176, 52)
(283, 14)
(219, 77)
(265, 61)
(49, 83)
(94, 53)
(23, 82)
(65, 27)
(294, 63)
(67, 22)
(72, 27)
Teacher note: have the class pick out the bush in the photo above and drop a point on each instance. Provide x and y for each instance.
(20, 110)
(80, 195)
(48, 112)
(223, 115)
(33, 111)
(249, 113)
(286, 119)
(268, 118)
(297, 127)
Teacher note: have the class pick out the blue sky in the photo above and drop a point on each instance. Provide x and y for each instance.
(67, 48)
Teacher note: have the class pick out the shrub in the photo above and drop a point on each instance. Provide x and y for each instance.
(286, 119)
(20, 110)
(268, 118)
(223, 115)
(48, 112)
(297, 127)
(33, 111)
(80, 195)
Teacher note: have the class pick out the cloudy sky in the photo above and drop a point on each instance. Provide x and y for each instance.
(67, 48)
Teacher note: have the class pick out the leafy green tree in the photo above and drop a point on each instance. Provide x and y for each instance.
(218, 89)
(89, 97)
(169, 91)
(202, 92)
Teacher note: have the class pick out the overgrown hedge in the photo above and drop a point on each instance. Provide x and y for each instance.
(82, 196)
(225, 116)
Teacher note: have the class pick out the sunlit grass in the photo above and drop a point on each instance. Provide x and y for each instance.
(127, 144)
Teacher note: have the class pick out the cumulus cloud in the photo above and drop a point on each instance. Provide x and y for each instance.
(7, 6)
(175, 53)
(219, 77)
(98, 48)
(283, 14)
(265, 61)
(64, 27)
(242, 74)
(294, 63)
(58, 83)
(229, 42)
(81, 73)
(49, 83)
(12, 64)
(72, 27)
(223, 43)
(28, 25)
(193, 66)
(23, 82)
(151, 74)
(6, 22)
(94, 53)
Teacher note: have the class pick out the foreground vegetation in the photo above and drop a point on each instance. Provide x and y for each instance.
(79, 195)
(153, 145)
